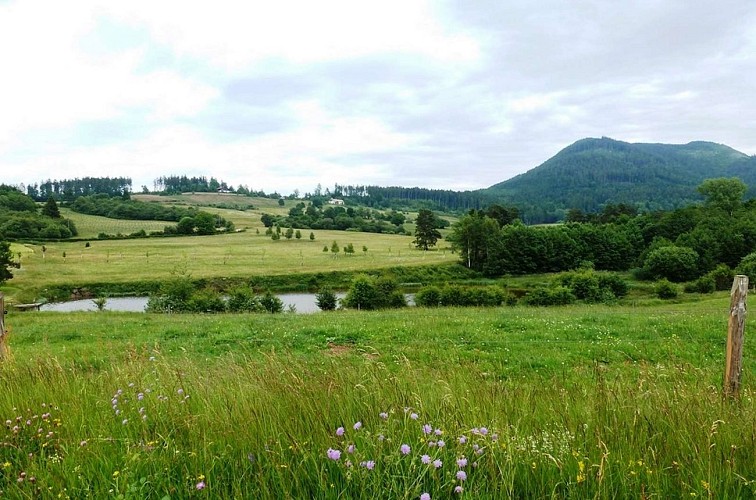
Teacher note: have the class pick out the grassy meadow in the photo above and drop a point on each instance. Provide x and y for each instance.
(578, 402)
(237, 255)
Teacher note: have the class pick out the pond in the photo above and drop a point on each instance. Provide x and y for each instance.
(303, 302)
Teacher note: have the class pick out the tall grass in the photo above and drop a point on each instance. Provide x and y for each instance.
(580, 402)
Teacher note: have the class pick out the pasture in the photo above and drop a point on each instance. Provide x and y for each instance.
(579, 402)
(237, 255)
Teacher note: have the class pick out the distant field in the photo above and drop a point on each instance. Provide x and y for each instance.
(89, 226)
(241, 254)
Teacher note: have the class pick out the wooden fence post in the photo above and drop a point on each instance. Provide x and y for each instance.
(735, 336)
(3, 336)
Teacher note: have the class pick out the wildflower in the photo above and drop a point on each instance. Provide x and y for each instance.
(438, 432)
(381, 437)
(413, 416)
(333, 454)
(461, 475)
(462, 462)
(425, 459)
(152, 358)
(116, 473)
(483, 431)
(180, 392)
(201, 485)
(405, 449)
(140, 396)
(441, 443)
(462, 439)
(437, 463)
(370, 465)
(427, 429)
(458, 489)
(358, 426)
(494, 437)
(425, 496)
(125, 421)
(83, 443)
(348, 463)
(350, 448)
(383, 415)
(340, 431)
(431, 444)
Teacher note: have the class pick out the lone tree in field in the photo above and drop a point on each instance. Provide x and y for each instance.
(426, 234)
(50, 208)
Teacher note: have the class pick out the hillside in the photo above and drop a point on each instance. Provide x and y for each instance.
(594, 172)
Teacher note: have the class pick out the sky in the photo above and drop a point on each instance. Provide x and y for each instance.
(284, 95)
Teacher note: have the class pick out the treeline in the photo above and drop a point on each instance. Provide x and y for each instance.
(71, 189)
(412, 198)
(680, 245)
(315, 215)
(189, 220)
(20, 218)
(176, 184)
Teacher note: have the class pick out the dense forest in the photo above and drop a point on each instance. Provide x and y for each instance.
(415, 198)
(176, 184)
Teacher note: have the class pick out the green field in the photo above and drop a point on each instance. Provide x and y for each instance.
(578, 402)
(238, 255)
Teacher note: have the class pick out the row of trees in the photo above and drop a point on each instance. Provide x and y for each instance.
(679, 245)
(70, 189)
(315, 215)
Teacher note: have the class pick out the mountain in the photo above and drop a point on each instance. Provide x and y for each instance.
(593, 172)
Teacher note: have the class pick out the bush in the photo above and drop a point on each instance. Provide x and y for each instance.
(665, 290)
(241, 299)
(592, 286)
(429, 296)
(672, 263)
(271, 303)
(722, 276)
(747, 266)
(704, 284)
(206, 301)
(326, 300)
(555, 296)
(374, 293)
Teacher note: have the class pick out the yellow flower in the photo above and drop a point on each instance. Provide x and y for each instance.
(7, 464)
(201, 477)
(116, 473)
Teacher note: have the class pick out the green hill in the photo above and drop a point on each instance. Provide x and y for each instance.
(594, 172)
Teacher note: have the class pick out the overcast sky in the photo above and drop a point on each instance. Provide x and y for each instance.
(283, 95)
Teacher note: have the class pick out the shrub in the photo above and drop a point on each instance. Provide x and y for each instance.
(241, 299)
(747, 266)
(555, 296)
(665, 290)
(722, 276)
(429, 296)
(271, 303)
(672, 263)
(704, 284)
(206, 301)
(326, 300)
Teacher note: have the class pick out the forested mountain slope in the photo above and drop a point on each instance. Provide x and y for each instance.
(594, 172)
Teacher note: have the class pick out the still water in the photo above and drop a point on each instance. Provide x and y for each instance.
(303, 302)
